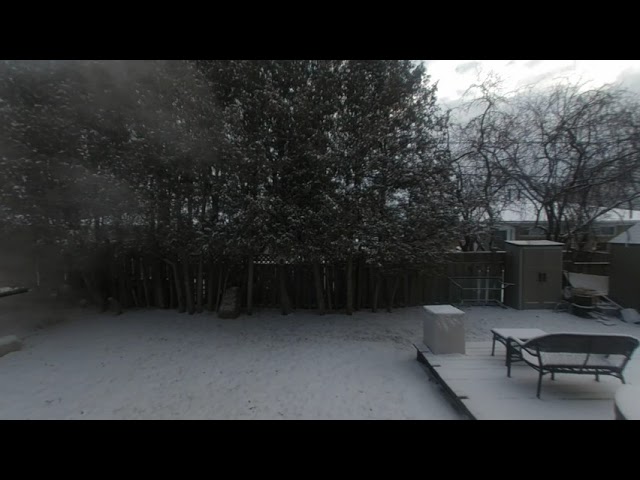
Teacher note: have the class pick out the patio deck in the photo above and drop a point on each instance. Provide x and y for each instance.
(478, 385)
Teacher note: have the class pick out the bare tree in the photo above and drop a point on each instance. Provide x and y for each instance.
(572, 153)
(577, 155)
(475, 144)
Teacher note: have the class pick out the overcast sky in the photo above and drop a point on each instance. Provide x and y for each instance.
(455, 76)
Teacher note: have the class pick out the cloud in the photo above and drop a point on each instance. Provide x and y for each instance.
(455, 76)
(630, 79)
(465, 67)
(540, 78)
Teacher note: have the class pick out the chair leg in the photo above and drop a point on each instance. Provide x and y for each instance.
(493, 347)
(553, 375)
(622, 378)
(597, 378)
(508, 360)
(507, 346)
(539, 384)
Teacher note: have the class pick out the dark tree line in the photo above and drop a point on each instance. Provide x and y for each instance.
(315, 162)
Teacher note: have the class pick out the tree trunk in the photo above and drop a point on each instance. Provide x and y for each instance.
(273, 302)
(144, 272)
(371, 286)
(37, 272)
(190, 211)
(317, 278)
(392, 294)
(188, 284)
(410, 282)
(134, 287)
(298, 281)
(94, 293)
(222, 287)
(329, 280)
(210, 299)
(361, 284)
(199, 286)
(376, 291)
(203, 206)
(158, 282)
(285, 302)
(250, 286)
(121, 280)
(405, 299)
(349, 275)
(178, 290)
(219, 289)
(173, 298)
(134, 295)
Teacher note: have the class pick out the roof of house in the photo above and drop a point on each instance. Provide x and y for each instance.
(630, 236)
(526, 212)
(535, 243)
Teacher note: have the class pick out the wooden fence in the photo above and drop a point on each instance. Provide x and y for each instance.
(142, 281)
(193, 285)
(592, 263)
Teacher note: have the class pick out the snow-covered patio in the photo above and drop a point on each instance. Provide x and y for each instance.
(478, 382)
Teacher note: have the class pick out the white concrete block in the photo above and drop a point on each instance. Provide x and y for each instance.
(443, 329)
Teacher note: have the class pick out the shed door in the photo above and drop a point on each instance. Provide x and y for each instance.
(542, 277)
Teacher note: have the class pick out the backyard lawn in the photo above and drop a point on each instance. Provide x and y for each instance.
(158, 364)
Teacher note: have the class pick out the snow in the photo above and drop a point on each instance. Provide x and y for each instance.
(21, 314)
(442, 309)
(628, 402)
(630, 315)
(480, 379)
(9, 344)
(526, 211)
(480, 320)
(535, 243)
(159, 364)
(519, 333)
(598, 283)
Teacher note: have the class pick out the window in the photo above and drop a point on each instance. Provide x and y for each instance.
(606, 231)
(504, 233)
(536, 232)
(500, 234)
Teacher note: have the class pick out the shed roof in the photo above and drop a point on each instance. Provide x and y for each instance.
(535, 243)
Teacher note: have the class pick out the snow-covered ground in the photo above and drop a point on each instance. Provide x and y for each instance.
(158, 364)
(480, 320)
(161, 364)
(22, 313)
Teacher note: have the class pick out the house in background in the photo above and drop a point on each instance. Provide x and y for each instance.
(519, 223)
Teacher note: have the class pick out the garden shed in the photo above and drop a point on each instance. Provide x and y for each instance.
(624, 271)
(534, 267)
